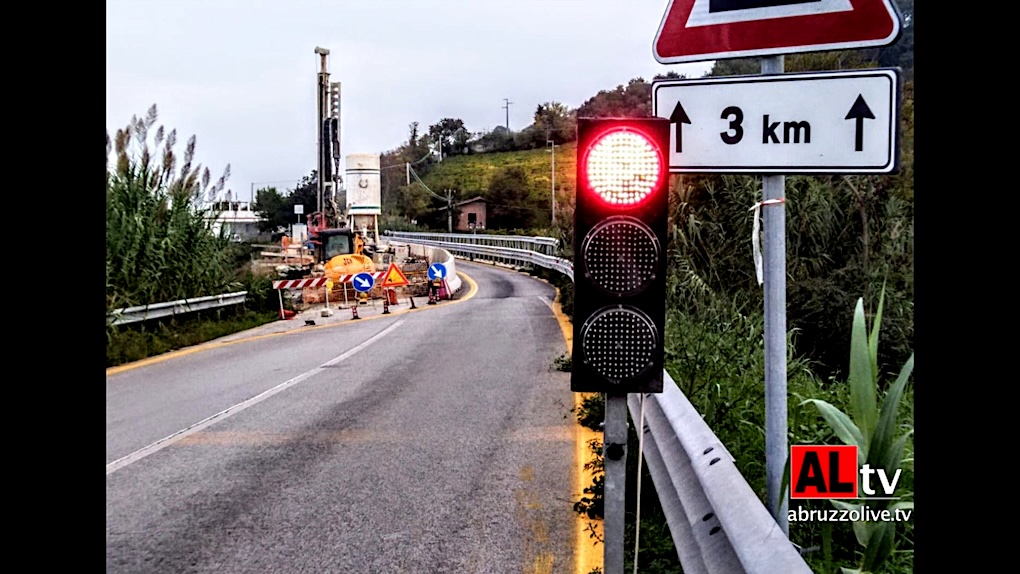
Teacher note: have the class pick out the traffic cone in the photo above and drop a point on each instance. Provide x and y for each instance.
(354, 312)
(386, 303)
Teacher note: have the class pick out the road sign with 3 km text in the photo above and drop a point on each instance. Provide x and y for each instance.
(816, 122)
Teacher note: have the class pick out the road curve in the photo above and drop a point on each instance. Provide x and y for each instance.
(436, 441)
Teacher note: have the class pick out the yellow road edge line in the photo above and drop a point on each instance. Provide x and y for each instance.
(586, 558)
(472, 290)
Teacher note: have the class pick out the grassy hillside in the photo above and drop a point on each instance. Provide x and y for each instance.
(469, 175)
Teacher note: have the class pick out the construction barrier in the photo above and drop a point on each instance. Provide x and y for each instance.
(296, 284)
(432, 255)
(300, 283)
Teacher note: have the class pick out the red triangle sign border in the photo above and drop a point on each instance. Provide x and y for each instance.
(869, 23)
(389, 275)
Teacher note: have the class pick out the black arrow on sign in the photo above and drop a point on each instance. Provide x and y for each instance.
(679, 116)
(859, 111)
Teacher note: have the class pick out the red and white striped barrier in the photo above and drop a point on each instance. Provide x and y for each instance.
(300, 283)
(348, 278)
(320, 281)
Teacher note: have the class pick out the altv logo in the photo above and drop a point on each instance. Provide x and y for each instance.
(820, 471)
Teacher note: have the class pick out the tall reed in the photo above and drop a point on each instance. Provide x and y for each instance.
(160, 244)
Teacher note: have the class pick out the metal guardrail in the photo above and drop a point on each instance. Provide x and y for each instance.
(156, 310)
(718, 524)
(544, 245)
(505, 249)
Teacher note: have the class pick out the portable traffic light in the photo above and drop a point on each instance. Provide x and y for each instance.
(620, 219)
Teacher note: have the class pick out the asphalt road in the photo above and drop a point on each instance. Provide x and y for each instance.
(430, 441)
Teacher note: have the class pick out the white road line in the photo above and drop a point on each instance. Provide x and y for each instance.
(165, 442)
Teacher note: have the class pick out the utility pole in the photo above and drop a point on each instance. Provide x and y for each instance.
(449, 211)
(552, 218)
(506, 106)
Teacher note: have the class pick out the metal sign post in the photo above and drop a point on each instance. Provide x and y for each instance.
(774, 221)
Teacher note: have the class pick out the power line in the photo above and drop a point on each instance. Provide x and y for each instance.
(423, 158)
(418, 179)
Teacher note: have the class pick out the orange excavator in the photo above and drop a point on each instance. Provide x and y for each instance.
(340, 250)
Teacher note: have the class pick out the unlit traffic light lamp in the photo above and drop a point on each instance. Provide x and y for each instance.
(620, 268)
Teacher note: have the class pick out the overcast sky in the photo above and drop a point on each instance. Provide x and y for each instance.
(240, 75)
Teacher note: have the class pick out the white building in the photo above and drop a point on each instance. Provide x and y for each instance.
(241, 223)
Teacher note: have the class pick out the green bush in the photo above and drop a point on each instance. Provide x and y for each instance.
(137, 341)
(878, 430)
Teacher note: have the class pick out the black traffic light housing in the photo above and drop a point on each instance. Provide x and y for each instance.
(620, 219)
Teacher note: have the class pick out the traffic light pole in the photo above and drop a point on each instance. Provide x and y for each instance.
(774, 276)
(620, 229)
(614, 456)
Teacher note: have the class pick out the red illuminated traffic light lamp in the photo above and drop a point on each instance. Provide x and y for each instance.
(620, 219)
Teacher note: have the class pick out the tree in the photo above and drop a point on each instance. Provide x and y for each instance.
(451, 135)
(510, 200)
(671, 75)
(555, 122)
(499, 139)
(736, 67)
(416, 148)
(633, 101)
(306, 193)
(272, 208)
(278, 209)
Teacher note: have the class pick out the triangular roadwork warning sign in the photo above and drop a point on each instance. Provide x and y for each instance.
(394, 277)
(701, 30)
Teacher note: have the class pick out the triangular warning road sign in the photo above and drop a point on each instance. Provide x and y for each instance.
(699, 30)
(394, 277)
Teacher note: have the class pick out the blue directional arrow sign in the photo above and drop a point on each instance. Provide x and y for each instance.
(363, 282)
(437, 271)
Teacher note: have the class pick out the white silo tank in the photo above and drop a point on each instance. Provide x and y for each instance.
(364, 193)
